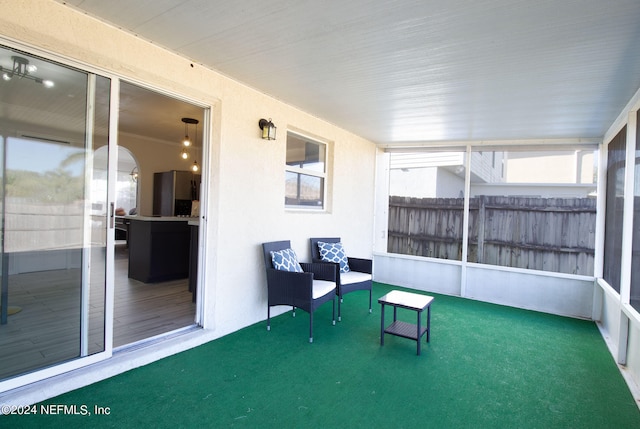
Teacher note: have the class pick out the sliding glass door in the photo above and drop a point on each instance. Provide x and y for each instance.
(54, 213)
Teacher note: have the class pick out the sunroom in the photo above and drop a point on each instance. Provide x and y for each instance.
(485, 151)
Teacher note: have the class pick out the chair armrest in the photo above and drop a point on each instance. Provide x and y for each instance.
(321, 271)
(361, 265)
(282, 284)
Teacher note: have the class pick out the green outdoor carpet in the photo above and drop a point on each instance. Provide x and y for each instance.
(487, 366)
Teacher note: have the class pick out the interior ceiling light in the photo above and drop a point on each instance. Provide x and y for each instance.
(187, 141)
(195, 166)
(22, 70)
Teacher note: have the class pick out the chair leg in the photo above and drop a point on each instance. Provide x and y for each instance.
(369, 300)
(339, 310)
(268, 317)
(311, 326)
(294, 311)
(333, 301)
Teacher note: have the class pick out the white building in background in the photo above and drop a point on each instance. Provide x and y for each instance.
(427, 174)
(558, 173)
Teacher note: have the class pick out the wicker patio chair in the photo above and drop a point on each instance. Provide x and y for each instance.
(307, 290)
(358, 276)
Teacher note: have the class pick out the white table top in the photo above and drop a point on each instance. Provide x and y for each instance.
(406, 299)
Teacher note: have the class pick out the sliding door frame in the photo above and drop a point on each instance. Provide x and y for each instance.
(114, 104)
(84, 359)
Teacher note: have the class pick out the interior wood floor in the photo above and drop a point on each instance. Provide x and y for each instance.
(47, 329)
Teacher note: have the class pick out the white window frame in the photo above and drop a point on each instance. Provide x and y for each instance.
(309, 172)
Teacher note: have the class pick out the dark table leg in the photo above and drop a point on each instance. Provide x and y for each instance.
(382, 325)
(418, 333)
(428, 321)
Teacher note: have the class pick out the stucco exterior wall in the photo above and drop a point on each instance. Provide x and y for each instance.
(244, 174)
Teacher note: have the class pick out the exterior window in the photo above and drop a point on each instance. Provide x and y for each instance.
(305, 172)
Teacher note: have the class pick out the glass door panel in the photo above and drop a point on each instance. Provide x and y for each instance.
(54, 212)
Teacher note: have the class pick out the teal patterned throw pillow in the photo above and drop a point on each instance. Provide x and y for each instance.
(286, 260)
(334, 252)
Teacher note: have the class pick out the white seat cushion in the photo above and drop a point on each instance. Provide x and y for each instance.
(322, 287)
(353, 277)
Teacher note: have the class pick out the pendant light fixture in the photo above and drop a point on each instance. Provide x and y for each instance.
(186, 142)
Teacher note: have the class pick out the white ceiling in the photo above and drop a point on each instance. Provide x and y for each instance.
(398, 71)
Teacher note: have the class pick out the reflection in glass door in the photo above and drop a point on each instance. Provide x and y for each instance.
(54, 213)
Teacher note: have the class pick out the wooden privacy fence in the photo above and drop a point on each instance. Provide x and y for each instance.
(550, 234)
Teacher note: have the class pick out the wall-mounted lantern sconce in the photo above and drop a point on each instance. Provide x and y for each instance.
(268, 129)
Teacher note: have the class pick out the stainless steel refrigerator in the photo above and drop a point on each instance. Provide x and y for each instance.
(174, 192)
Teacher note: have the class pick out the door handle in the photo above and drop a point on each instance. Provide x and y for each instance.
(112, 216)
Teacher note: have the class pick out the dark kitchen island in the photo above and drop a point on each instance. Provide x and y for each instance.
(159, 248)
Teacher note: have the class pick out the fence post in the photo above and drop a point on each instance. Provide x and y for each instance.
(481, 220)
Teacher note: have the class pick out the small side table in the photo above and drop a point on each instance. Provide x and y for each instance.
(410, 301)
